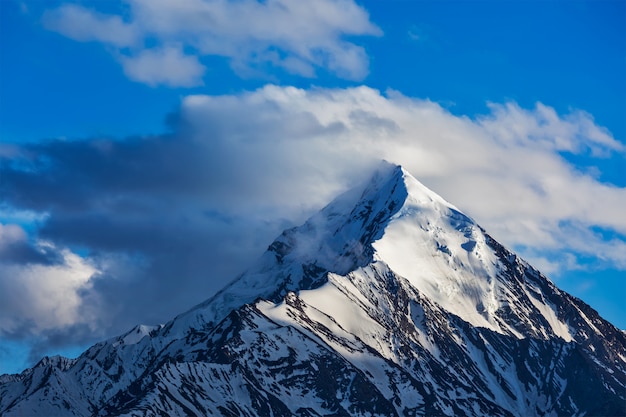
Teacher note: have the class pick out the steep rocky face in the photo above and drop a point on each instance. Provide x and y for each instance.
(390, 301)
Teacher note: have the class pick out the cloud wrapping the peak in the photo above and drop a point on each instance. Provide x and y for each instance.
(298, 37)
(170, 219)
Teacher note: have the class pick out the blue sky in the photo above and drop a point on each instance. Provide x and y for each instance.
(150, 150)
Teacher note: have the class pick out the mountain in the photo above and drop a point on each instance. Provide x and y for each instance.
(390, 301)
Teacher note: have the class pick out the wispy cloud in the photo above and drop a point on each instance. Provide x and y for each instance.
(162, 217)
(168, 66)
(298, 37)
(84, 25)
(417, 34)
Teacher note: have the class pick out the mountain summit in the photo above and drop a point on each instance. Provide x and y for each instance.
(390, 301)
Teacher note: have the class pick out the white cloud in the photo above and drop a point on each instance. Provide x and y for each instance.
(505, 168)
(299, 37)
(86, 25)
(38, 297)
(542, 126)
(168, 66)
(11, 233)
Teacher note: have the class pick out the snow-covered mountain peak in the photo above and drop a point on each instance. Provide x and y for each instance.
(443, 253)
(390, 185)
(389, 301)
(337, 239)
(134, 335)
(395, 220)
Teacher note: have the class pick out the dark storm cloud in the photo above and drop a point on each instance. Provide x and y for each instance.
(57, 339)
(75, 175)
(23, 253)
(166, 220)
(226, 153)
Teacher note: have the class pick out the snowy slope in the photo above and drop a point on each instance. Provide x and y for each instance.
(389, 301)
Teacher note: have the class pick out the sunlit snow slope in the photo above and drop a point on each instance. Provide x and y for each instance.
(389, 301)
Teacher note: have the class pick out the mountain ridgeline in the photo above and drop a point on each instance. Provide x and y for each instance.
(388, 302)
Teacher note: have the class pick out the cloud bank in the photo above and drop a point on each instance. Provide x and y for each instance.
(130, 224)
(160, 42)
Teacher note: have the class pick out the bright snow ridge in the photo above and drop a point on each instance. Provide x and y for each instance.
(396, 220)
